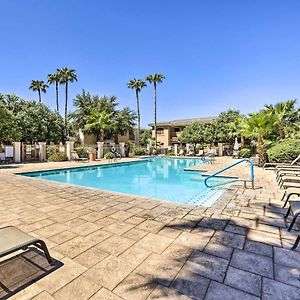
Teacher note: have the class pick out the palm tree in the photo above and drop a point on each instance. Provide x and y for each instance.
(137, 85)
(38, 86)
(67, 75)
(257, 125)
(284, 114)
(155, 79)
(55, 78)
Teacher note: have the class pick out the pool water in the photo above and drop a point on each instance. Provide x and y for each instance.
(157, 178)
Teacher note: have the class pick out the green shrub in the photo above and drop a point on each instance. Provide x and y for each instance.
(51, 150)
(245, 153)
(139, 151)
(58, 157)
(82, 151)
(284, 151)
(109, 155)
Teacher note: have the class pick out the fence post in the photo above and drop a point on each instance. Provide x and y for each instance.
(100, 150)
(69, 149)
(122, 149)
(42, 151)
(17, 152)
(176, 149)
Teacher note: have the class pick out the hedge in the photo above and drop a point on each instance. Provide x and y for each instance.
(245, 153)
(284, 151)
(58, 157)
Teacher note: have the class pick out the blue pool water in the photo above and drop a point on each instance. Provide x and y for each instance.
(158, 178)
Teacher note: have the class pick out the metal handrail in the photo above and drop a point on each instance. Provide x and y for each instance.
(233, 165)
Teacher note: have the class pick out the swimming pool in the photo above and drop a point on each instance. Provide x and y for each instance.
(157, 178)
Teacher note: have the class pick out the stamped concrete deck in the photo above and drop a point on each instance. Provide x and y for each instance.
(112, 246)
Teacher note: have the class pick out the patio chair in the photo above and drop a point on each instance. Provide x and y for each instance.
(75, 157)
(13, 239)
(285, 179)
(294, 208)
(288, 193)
(286, 172)
(293, 163)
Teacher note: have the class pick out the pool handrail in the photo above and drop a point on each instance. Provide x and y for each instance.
(233, 165)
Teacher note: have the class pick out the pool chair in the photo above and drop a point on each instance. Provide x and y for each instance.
(75, 157)
(293, 163)
(13, 239)
(286, 172)
(288, 193)
(294, 208)
(287, 180)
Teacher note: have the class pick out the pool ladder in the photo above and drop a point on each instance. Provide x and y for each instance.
(250, 161)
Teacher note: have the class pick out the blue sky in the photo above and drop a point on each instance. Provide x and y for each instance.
(214, 54)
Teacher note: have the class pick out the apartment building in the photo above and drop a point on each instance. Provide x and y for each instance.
(168, 132)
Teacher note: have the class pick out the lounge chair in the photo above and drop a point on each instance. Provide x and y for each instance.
(75, 157)
(288, 193)
(293, 163)
(283, 173)
(13, 239)
(294, 208)
(289, 179)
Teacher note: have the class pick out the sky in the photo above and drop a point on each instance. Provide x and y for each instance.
(215, 55)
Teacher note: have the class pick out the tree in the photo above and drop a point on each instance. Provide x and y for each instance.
(55, 79)
(8, 130)
(155, 79)
(67, 76)
(100, 116)
(225, 126)
(125, 120)
(257, 125)
(38, 86)
(193, 134)
(284, 115)
(38, 123)
(146, 137)
(137, 85)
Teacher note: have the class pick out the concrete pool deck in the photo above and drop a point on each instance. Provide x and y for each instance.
(113, 246)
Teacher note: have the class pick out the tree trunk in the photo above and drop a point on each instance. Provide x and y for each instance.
(281, 132)
(155, 132)
(139, 117)
(40, 96)
(56, 88)
(262, 154)
(66, 107)
(101, 135)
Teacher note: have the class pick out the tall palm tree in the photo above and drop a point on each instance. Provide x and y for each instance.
(67, 75)
(55, 78)
(38, 86)
(284, 114)
(257, 125)
(137, 85)
(155, 79)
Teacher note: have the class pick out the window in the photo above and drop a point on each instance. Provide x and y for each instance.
(176, 129)
(160, 131)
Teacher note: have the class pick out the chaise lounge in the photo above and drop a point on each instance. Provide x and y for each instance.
(13, 239)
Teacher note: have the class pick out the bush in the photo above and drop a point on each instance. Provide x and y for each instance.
(284, 151)
(52, 150)
(109, 155)
(58, 157)
(82, 151)
(139, 151)
(245, 153)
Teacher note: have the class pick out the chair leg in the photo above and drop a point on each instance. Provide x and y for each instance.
(284, 194)
(293, 222)
(287, 199)
(41, 244)
(296, 242)
(287, 213)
